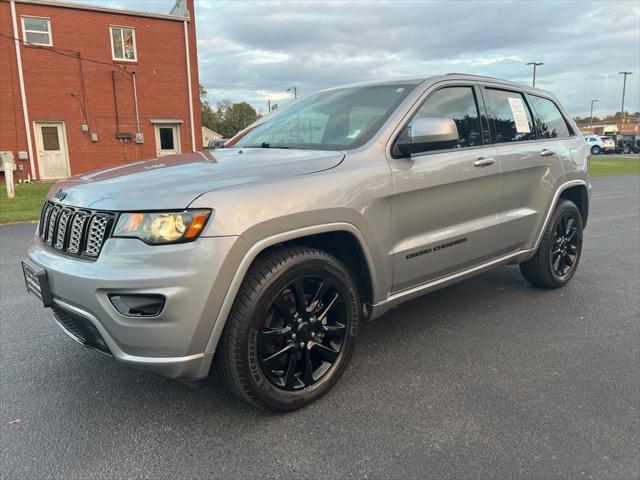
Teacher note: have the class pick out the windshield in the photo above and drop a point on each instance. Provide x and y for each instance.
(335, 120)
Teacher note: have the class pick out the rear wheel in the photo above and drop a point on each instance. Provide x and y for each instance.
(596, 150)
(292, 329)
(626, 149)
(556, 259)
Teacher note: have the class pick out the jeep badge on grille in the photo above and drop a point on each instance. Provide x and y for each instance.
(60, 195)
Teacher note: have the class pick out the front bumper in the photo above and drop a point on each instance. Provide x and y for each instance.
(193, 278)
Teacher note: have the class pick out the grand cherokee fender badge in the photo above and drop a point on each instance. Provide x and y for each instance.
(436, 248)
(60, 195)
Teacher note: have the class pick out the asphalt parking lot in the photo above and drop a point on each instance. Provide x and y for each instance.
(489, 378)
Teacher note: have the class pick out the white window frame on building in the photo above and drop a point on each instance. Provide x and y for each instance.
(112, 28)
(26, 32)
(162, 126)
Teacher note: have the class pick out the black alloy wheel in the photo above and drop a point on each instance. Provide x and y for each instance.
(556, 259)
(292, 329)
(302, 334)
(564, 250)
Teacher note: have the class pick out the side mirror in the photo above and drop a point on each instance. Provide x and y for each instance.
(424, 134)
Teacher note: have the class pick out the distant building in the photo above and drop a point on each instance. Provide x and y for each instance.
(209, 135)
(629, 129)
(84, 87)
(612, 129)
(599, 129)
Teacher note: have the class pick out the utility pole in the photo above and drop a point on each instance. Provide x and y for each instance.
(295, 92)
(535, 64)
(268, 105)
(624, 86)
(591, 117)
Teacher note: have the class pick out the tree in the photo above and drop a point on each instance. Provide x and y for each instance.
(228, 118)
(615, 118)
(233, 117)
(586, 120)
(207, 113)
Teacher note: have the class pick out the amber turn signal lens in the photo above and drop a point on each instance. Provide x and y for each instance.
(197, 224)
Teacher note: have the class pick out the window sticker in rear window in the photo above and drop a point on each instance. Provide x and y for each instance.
(519, 115)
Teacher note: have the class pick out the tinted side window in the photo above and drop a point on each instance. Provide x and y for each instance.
(509, 116)
(458, 104)
(551, 123)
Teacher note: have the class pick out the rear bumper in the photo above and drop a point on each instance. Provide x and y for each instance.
(174, 342)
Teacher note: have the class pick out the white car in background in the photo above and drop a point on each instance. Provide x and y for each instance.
(599, 144)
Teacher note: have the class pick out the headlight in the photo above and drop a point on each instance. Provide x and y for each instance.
(159, 228)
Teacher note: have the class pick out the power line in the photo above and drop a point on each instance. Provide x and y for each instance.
(75, 54)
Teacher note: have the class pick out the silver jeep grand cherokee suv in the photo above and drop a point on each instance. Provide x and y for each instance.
(270, 252)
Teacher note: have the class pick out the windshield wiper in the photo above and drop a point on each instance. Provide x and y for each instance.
(267, 145)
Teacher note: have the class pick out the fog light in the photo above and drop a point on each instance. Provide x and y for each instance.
(134, 305)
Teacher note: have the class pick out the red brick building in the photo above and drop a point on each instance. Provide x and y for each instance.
(85, 87)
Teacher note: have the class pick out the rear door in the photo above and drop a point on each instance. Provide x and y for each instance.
(531, 164)
(51, 146)
(167, 139)
(446, 201)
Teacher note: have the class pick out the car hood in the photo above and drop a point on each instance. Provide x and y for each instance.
(173, 182)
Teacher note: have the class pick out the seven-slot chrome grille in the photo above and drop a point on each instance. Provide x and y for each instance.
(75, 231)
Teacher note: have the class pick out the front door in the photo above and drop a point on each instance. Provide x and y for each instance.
(167, 139)
(51, 145)
(446, 203)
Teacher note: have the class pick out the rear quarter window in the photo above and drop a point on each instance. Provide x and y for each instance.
(549, 120)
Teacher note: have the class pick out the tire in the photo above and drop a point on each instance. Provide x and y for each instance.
(596, 150)
(552, 266)
(626, 150)
(261, 355)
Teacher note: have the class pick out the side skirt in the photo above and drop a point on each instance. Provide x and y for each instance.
(397, 298)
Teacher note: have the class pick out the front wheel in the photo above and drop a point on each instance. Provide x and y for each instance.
(556, 259)
(596, 150)
(292, 329)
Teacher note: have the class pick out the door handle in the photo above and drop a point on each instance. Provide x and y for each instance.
(547, 153)
(484, 161)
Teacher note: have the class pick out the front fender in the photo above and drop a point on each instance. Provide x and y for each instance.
(256, 248)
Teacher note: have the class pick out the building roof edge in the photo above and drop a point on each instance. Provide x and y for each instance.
(97, 8)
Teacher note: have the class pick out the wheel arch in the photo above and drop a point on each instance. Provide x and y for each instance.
(312, 236)
(579, 195)
(343, 245)
(569, 187)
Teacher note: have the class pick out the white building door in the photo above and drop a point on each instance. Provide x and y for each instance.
(167, 139)
(51, 145)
